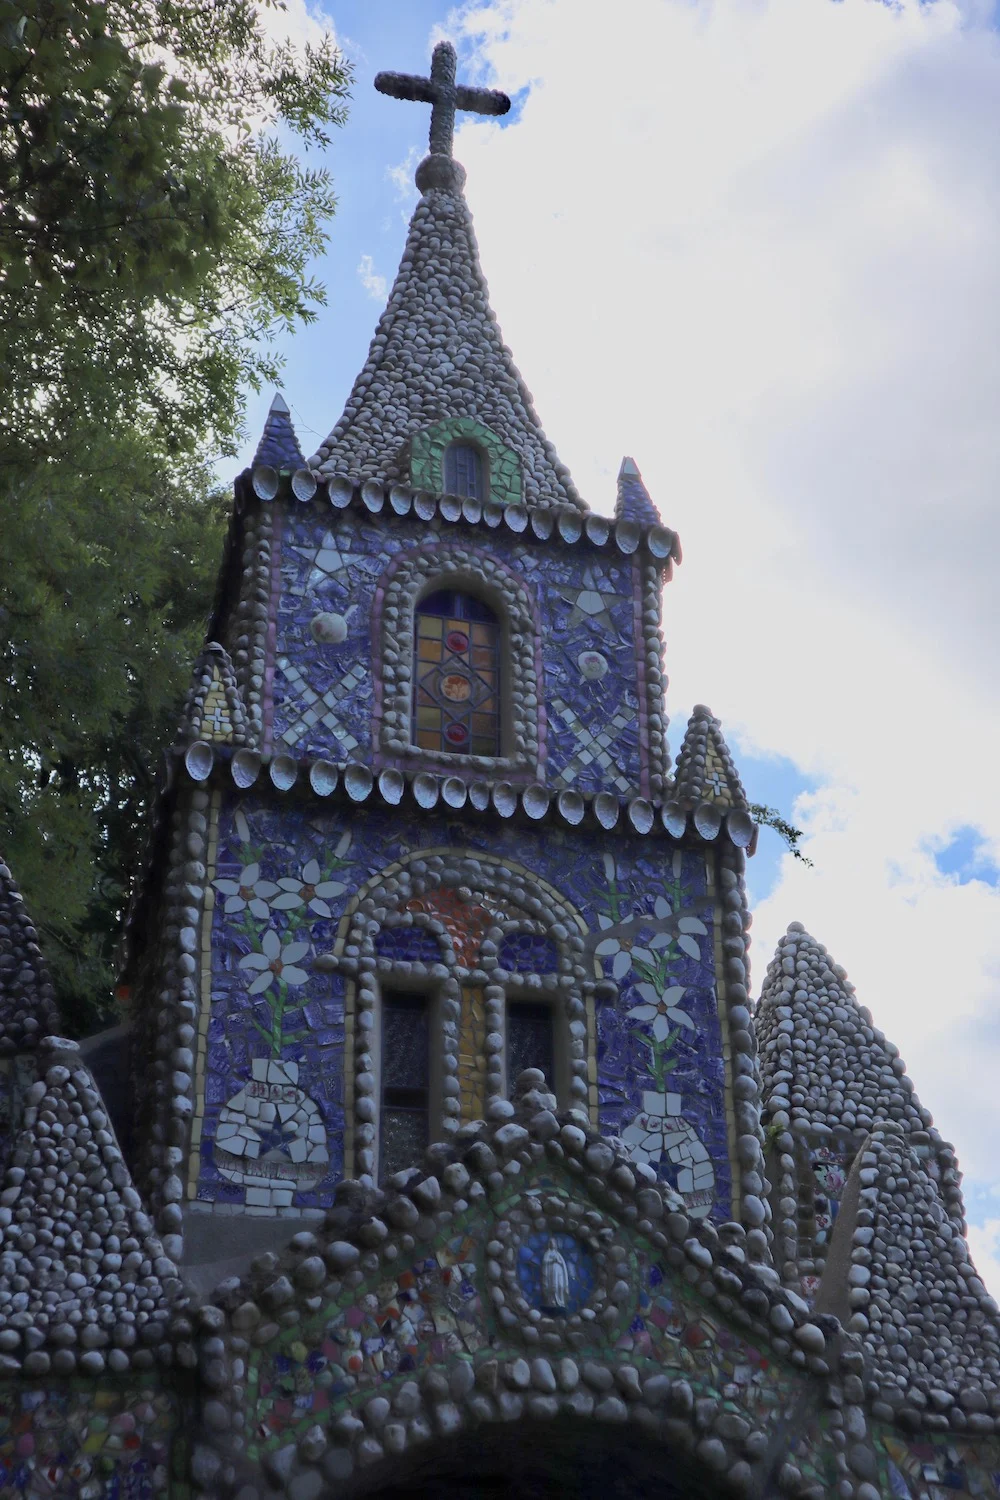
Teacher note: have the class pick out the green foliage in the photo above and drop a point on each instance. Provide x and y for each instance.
(770, 817)
(154, 238)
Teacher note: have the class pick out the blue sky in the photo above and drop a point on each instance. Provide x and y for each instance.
(762, 256)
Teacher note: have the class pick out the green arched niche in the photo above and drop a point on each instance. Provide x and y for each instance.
(427, 449)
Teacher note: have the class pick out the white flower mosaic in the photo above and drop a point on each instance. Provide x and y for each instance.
(275, 962)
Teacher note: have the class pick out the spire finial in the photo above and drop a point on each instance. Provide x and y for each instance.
(444, 96)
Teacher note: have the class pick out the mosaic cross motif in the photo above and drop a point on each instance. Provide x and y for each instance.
(319, 707)
(599, 749)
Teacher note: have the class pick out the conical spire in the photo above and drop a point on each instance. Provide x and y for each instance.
(634, 503)
(438, 354)
(27, 1001)
(705, 770)
(278, 446)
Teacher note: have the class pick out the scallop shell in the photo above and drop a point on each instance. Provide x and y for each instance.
(425, 505)
(199, 760)
(454, 791)
(450, 507)
(598, 529)
(340, 490)
(245, 767)
(659, 541)
(570, 525)
(505, 799)
(674, 819)
(542, 524)
(358, 782)
(708, 820)
(479, 795)
(284, 772)
(373, 496)
(640, 814)
(303, 485)
(535, 801)
(493, 513)
(392, 785)
(627, 534)
(425, 789)
(740, 827)
(516, 517)
(606, 809)
(265, 482)
(400, 498)
(323, 775)
(472, 510)
(572, 807)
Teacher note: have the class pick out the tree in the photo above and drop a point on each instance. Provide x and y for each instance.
(153, 240)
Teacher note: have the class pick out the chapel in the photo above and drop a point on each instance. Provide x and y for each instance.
(443, 1149)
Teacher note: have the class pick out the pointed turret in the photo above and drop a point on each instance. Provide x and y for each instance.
(27, 1001)
(214, 709)
(705, 770)
(633, 502)
(278, 446)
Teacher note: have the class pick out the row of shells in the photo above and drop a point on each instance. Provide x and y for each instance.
(359, 782)
(663, 543)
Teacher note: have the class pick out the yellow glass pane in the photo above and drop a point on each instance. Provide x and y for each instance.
(430, 625)
(430, 650)
(428, 718)
(428, 740)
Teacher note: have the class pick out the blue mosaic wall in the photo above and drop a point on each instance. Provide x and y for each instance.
(323, 691)
(275, 1059)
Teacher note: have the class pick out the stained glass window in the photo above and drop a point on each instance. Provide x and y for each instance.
(530, 1040)
(456, 681)
(463, 471)
(405, 1093)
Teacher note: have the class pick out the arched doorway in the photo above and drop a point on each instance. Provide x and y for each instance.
(559, 1460)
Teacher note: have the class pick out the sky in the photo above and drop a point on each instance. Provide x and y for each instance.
(756, 245)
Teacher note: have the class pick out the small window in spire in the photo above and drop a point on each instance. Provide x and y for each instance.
(464, 472)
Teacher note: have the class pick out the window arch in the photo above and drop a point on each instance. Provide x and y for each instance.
(465, 471)
(456, 675)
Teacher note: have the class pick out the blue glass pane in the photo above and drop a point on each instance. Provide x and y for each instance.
(463, 471)
(528, 953)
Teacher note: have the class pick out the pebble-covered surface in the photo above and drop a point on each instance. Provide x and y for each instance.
(213, 709)
(930, 1329)
(278, 447)
(705, 770)
(27, 1000)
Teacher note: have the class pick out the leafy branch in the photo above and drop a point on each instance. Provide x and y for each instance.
(769, 817)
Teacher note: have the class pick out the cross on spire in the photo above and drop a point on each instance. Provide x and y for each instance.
(444, 96)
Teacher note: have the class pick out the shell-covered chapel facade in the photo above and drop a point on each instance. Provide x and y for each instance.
(443, 1144)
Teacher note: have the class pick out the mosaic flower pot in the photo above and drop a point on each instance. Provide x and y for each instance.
(271, 1136)
(659, 1135)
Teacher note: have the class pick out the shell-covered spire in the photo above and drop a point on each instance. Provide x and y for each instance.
(278, 446)
(27, 999)
(705, 769)
(437, 356)
(633, 502)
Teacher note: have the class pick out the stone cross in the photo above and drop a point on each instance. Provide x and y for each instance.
(444, 96)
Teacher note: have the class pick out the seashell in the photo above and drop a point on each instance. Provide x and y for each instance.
(454, 791)
(627, 534)
(570, 525)
(535, 801)
(323, 776)
(265, 482)
(674, 819)
(425, 789)
(668, 570)
(425, 505)
(542, 523)
(392, 785)
(245, 767)
(472, 510)
(640, 814)
(740, 827)
(516, 517)
(328, 628)
(340, 490)
(606, 809)
(598, 529)
(199, 760)
(675, 551)
(358, 782)
(479, 795)
(493, 513)
(450, 507)
(572, 807)
(708, 820)
(505, 799)
(373, 496)
(284, 772)
(400, 498)
(303, 485)
(659, 540)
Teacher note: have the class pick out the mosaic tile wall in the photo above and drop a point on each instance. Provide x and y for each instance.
(86, 1443)
(943, 1466)
(438, 1310)
(322, 688)
(272, 1119)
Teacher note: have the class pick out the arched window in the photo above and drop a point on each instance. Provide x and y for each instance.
(456, 679)
(464, 472)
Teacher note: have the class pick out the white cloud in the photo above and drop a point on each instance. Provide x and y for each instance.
(984, 1242)
(756, 243)
(373, 282)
